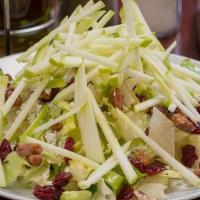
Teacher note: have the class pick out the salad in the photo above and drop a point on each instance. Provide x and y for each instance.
(100, 113)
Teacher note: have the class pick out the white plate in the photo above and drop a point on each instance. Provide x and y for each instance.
(9, 65)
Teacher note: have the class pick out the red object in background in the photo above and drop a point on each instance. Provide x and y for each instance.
(187, 40)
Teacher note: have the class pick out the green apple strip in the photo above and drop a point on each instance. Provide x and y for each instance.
(11, 100)
(57, 120)
(71, 32)
(129, 18)
(185, 72)
(87, 124)
(26, 108)
(42, 42)
(190, 85)
(61, 28)
(139, 76)
(66, 92)
(3, 88)
(139, 18)
(148, 103)
(89, 4)
(113, 142)
(108, 165)
(91, 35)
(89, 56)
(159, 71)
(63, 152)
(104, 20)
(91, 10)
(186, 173)
(126, 62)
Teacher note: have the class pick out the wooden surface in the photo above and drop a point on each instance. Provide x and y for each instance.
(186, 37)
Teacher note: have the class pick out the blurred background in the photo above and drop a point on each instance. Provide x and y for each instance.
(24, 22)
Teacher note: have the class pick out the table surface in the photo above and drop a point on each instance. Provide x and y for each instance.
(186, 37)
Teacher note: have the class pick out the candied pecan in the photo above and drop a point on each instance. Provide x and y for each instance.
(126, 193)
(189, 155)
(47, 192)
(28, 149)
(57, 127)
(142, 157)
(35, 160)
(69, 145)
(9, 91)
(163, 110)
(182, 122)
(5, 149)
(62, 179)
(118, 98)
(138, 195)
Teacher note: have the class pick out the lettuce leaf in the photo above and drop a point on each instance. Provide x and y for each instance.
(14, 167)
(76, 195)
(162, 130)
(103, 192)
(114, 181)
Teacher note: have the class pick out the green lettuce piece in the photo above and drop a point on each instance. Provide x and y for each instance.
(79, 170)
(64, 105)
(146, 42)
(39, 119)
(2, 176)
(114, 181)
(52, 158)
(107, 87)
(3, 81)
(76, 195)
(38, 175)
(139, 144)
(13, 167)
(103, 192)
(56, 83)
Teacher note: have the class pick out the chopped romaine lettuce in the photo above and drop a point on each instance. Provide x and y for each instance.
(76, 195)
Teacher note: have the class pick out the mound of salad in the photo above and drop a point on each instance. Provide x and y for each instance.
(100, 113)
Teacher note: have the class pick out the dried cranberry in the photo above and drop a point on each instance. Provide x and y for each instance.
(151, 169)
(47, 192)
(137, 164)
(62, 179)
(189, 155)
(126, 193)
(69, 145)
(5, 149)
(155, 168)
